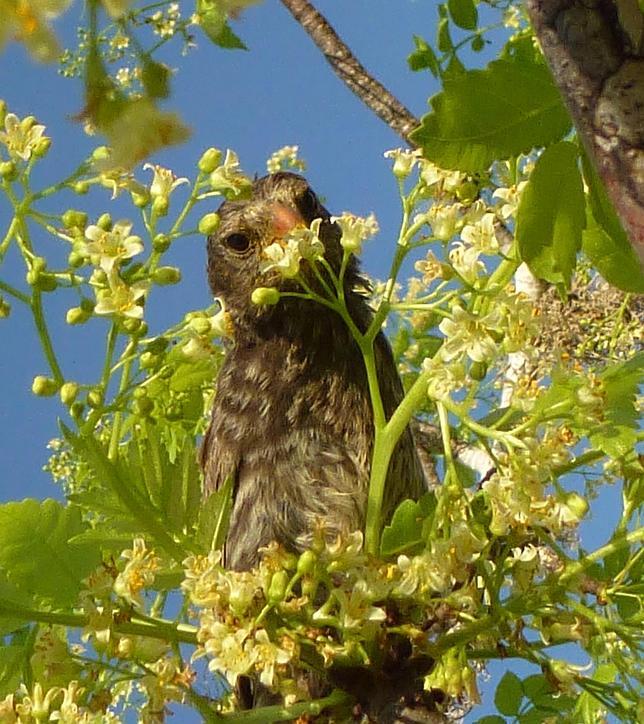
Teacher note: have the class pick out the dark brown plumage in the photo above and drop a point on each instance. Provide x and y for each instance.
(292, 420)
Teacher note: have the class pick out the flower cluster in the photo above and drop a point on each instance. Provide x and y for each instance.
(285, 158)
(285, 255)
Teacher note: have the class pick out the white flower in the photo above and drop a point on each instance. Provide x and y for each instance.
(465, 260)
(355, 230)
(228, 179)
(510, 197)
(404, 161)
(106, 248)
(282, 256)
(482, 235)
(164, 181)
(21, 137)
(308, 240)
(121, 299)
(284, 158)
(138, 572)
(267, 655)
(469, 334)
(230, 650)
(444, 220)
(444, 378)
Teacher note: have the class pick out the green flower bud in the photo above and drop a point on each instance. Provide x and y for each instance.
(3, 111)
(31, 277)
(43, 386)
(74, 219)
(80, 187)
(76, 410)
(68, 393)
(143, 406)
(200, 325)
(95, 398)
(208, 224)
(75, 259)
(38, 263)
(41, 147)
(140, 198)
(478, 370)
(148, 360)
(210, 159)
(277, 589)
(160, 206)
(140, 392)
(306, 562)
(166, 275)
(87, 305)
(102, 153)
(131, 326)
(265, 296)
(158, 345)
(5, 308)
(161, 243)
(104, 222)
(46, 282)
(577, 504)
(76, 315)
(8, 170)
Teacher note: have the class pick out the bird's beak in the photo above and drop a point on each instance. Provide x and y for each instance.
(285, 219)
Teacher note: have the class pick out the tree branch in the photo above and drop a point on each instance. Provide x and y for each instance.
(350, 70)
(595, 49)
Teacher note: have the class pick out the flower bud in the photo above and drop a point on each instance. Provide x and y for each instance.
(166, 275)
(277, 589)
(478, 370)
(76, 410)
(143, 406)
(76, 315)
(41, 147)
(209, 223)
(160, 205)
(95, 398)
(306, 562)
(148, 360)
(104, 222)
(158, 345)
(43, 386)
(8, 170)
(210, 159)
(87, 305)
(102, 153)
(161, 243)
(80, 187)
(265, 296)
(27, 123)
(46, 282)
(38, 263)
(131, 326)
(74, 219)
(3, 112)
(577, 504)
(75, 259)
(5, 308)
(68, 393)
(201, 325)
(140, 198)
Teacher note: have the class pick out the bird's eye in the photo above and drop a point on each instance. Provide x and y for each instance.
(308, 205)
(239, 243)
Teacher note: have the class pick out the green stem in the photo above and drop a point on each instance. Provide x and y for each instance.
(45, 340)
(16, 293)
(286, 713)
(160, 629)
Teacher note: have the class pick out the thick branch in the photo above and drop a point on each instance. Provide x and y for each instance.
(350, 70)
(595, 49)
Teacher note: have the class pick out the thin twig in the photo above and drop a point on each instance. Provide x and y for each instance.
(351, 71)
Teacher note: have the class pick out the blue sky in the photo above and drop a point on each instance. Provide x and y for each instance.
(280, 92)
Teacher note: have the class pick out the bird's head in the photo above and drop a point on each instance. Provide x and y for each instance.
(237, 257)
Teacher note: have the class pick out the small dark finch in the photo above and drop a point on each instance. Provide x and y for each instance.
(292, 420)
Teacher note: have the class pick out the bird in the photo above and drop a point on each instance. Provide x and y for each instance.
(292, 423)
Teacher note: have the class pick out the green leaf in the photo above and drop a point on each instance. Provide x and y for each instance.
(423, 57)
(464, 13)
(443, 38)
(613, 258)
(510, 107)
(509, 694)
(214, 517)
(535, 686)
(35, 551)
(617, 434)
(491, 719)
(212, 20)
(13, 596)
(12, 659)
(551, 215)
(405, 533)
